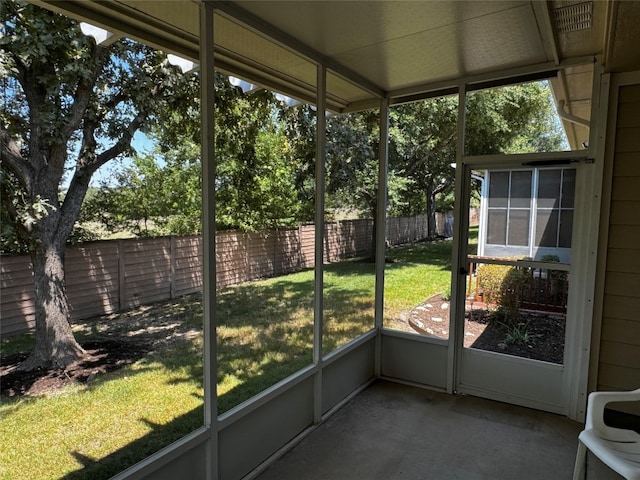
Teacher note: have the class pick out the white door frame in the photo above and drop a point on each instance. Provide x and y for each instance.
(575, 370)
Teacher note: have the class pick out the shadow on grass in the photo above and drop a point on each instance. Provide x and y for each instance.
(423, 253)
(159, 437)
(266, 330)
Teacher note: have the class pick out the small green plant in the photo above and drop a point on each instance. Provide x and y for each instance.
(446, 295)
(519, 334)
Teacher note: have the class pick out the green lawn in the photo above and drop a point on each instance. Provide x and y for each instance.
(418, 272)
(264, 334)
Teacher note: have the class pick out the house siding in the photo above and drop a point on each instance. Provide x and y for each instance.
(619, 360)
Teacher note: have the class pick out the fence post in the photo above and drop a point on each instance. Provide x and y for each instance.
(172, 266)
(276, 239)
(300, 249)
(246, 256)
(122, 304)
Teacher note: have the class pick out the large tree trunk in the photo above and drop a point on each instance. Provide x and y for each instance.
(55, 344)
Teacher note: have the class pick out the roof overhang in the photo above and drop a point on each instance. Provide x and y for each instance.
(403, 50)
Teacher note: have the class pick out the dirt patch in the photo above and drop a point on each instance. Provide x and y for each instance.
(537, 336)
(115, 341)
(102, 356)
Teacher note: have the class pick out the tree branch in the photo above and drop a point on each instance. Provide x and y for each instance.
(115, 100)
(11, 158)
(124, 143)
(35, 96)
(84, 91)
(440, 188)
(20, 67)
(87, 164)
(420, 162)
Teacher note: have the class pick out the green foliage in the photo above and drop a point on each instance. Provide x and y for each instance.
(512, 290)
(266, 161)
(299, 127)
(422, 147)
(490, 278)
(504, 285)
(70, 107)
(259, 180)
(262, 181)
(19, 212)
(512, 119)
(519, 334)
(155, 195)
(257, 189)
(352, 163)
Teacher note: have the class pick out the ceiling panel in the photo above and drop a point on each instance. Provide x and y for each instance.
(451, 51)
(399, 44)
(238, 42)
(184, 15)
(582, 41)
(344, 91)
(337, 27)
(376, 48)
(623, 47)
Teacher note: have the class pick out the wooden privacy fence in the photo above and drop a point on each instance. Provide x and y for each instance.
(112, 276)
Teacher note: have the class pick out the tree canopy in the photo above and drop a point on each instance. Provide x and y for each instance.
(511, 119)
(70, 107)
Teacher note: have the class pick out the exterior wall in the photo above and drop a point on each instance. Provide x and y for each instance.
(619, 344)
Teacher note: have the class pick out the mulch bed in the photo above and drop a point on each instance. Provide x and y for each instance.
(102, 356)
(121, 339)
(545, 332)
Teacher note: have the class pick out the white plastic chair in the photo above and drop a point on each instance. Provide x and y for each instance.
(618, 448)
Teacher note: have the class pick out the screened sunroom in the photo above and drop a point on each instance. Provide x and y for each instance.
(346, 57)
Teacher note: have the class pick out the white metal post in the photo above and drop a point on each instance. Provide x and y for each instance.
(380, 233)
(459, 250)
(319, 237)
(593, 206)
(207, 123)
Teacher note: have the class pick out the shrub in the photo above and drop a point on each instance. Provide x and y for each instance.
(513, 287)
(504, 286)
(490, 277)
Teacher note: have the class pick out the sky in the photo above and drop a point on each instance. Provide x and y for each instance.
(140, 142)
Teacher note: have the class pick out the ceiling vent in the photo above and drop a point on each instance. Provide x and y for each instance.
(573, 17)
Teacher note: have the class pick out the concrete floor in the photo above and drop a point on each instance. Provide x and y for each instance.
(392, 431)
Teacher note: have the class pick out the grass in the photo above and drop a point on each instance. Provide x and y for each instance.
(97, 430)
(419, 272)
(265, 328)
(265, 333)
